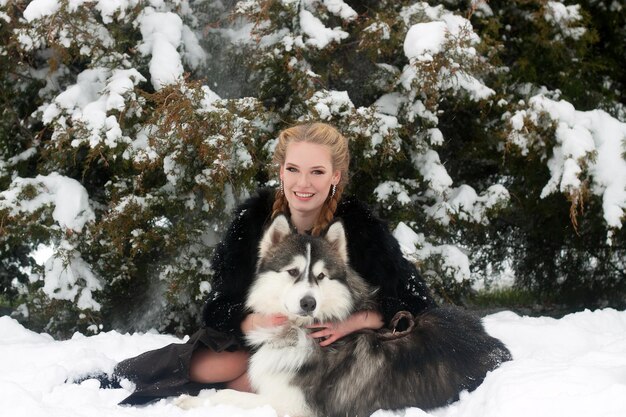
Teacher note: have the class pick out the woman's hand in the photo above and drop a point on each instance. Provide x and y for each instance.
(256, 320)
(331, 332)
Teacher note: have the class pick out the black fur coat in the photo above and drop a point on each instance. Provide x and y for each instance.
(373, 252)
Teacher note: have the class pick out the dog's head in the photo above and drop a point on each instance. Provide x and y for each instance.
(306, 278)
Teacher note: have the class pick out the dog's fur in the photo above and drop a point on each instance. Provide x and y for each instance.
(309, 280)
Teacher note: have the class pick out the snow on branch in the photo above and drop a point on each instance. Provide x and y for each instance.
(88, 103)
(318, 35)
(162, 35)
(439, 260)
(442, 55)
(392, 191)
(330, 103)
(565, 18)
(68, 277)
(588, 153)
(465, 204)
(69, 198)
(341, 9)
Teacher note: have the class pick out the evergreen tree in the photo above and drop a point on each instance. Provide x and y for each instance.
(129, 132)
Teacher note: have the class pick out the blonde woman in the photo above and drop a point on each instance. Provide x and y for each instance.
(314, 161)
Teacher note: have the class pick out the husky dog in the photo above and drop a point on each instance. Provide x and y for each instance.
(308, 279)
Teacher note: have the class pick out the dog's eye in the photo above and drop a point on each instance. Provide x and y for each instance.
(294, 272)
(321, 276)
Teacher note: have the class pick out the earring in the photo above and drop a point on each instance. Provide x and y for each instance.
(333, 190)
(282, 187)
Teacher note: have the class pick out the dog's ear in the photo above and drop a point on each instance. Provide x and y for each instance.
(336, 236)
(275, 233)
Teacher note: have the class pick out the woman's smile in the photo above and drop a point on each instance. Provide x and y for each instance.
(303, 196)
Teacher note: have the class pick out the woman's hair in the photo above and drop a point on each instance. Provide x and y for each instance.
(319, 134)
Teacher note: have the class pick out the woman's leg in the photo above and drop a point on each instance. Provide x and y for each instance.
(240, 384)
(209, 367)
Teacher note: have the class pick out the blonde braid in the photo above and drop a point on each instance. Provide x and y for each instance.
(328, 212)
(280, 204)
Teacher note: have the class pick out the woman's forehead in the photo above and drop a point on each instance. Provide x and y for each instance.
(308, 154)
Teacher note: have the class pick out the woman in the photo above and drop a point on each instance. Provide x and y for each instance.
(313, 160)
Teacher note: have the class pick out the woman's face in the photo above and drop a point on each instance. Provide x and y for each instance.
(307, 175)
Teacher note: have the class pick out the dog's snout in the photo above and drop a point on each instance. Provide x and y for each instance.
(308, 303)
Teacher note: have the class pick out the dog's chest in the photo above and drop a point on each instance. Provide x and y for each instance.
(275, 363)
(280, 358)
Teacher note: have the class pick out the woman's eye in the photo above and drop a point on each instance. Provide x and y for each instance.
(292, 169)
(317, 172)
(294, 272)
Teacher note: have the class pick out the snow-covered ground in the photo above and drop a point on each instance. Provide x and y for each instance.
(574, 366)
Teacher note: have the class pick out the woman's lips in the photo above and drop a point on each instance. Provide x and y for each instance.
(303, 196)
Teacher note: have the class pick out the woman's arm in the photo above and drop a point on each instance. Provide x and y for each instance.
(255, 321)
(331, 332)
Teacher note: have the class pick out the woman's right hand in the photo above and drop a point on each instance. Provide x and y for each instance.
(256, 320)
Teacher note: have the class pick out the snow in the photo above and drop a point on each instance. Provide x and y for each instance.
(473, 86)
(565, 18)
(424, 40)
(433, 171)
(389, 103)
(319, 35)
(61, 277)
(72, 209)
(40, 8)
(162, 35)
(392, 190)
(97, 91)
(328, 103)
(414, 246)
(574, 366)
(379, 29)
(167, 41)
(66, 275)
(588, 143)
(341, 9)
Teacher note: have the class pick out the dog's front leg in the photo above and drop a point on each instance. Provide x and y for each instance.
(187, 402)
(248, 400)
(244, 400)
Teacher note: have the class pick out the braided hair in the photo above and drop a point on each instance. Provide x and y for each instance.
(320, 134)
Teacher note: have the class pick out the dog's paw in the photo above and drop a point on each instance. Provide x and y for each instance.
(245, 400)
(187, 402)
(231, 397)
(249, 401)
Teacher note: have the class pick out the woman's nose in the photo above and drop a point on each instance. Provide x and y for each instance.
(303, 179)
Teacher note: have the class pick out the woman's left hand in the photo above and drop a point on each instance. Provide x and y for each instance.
(331, 332)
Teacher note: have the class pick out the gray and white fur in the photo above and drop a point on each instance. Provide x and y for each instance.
(309, 280)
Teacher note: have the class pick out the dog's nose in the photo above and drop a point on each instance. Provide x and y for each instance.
(307, 303)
